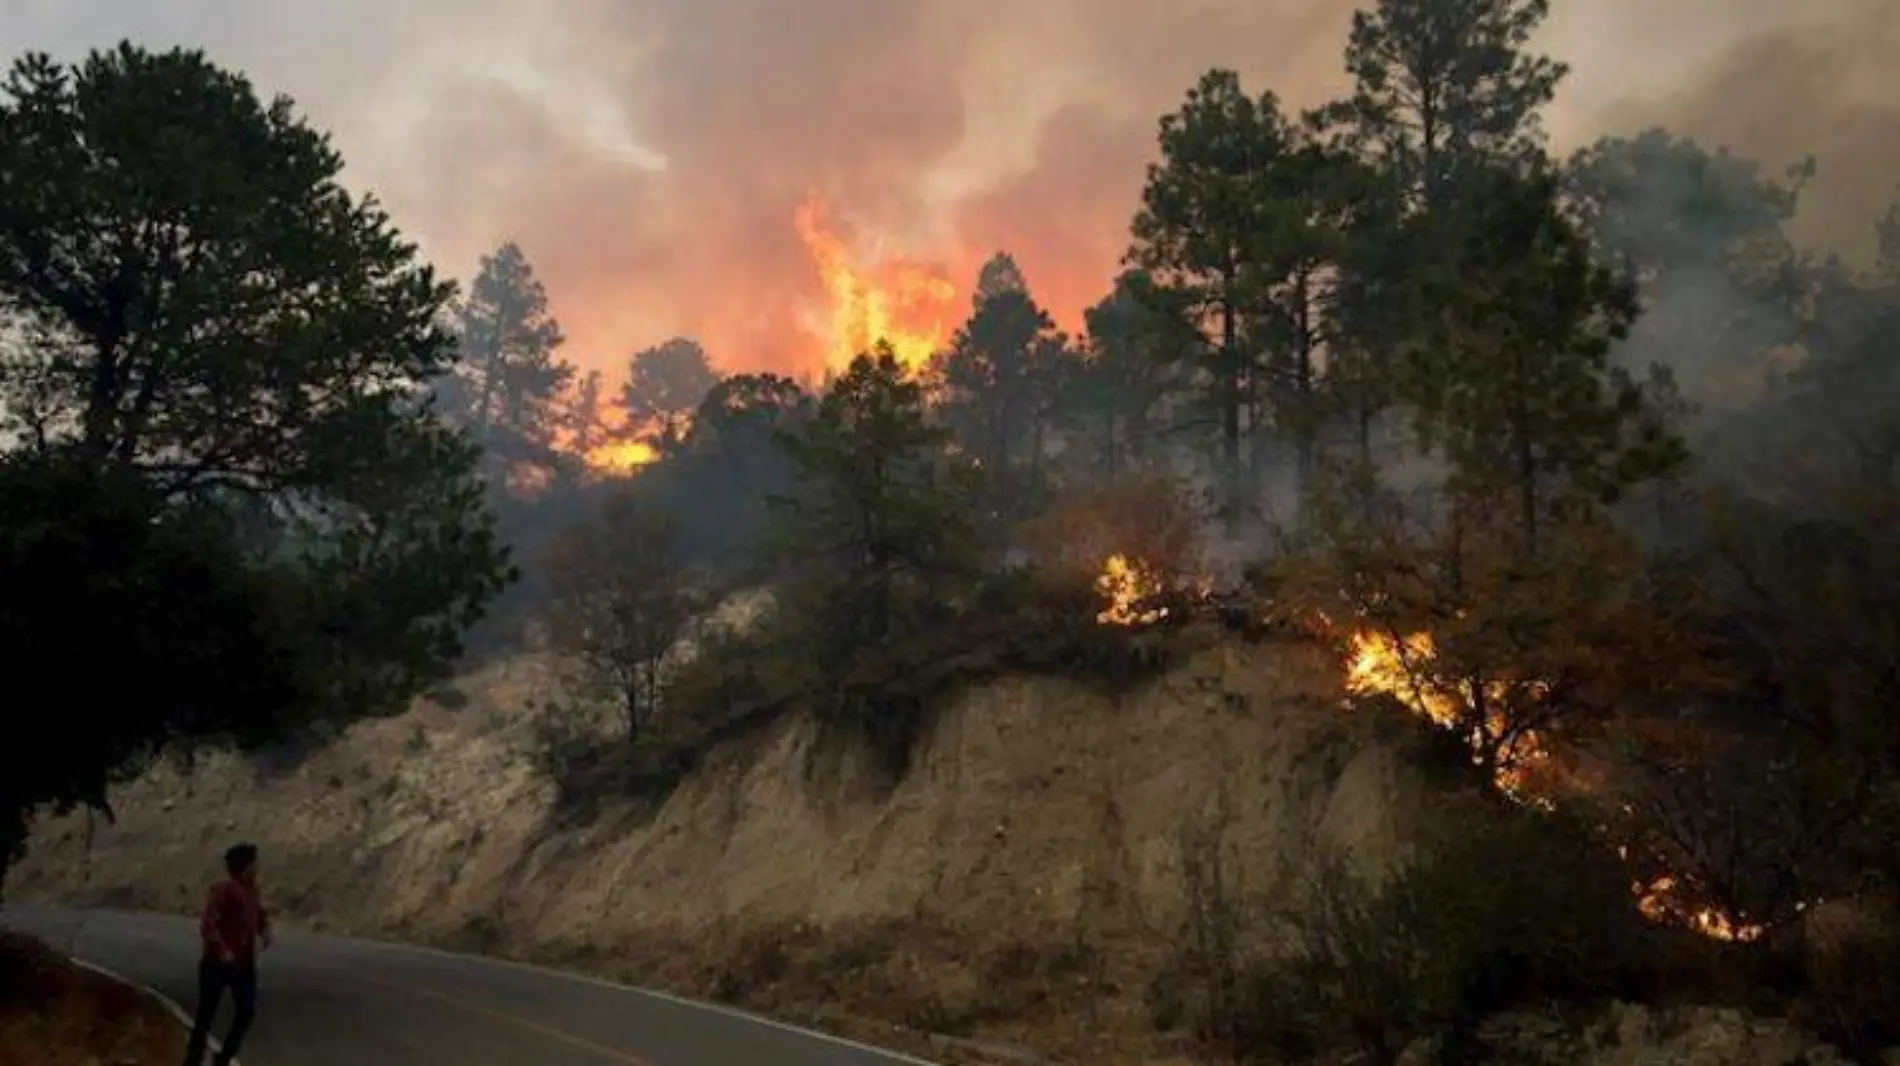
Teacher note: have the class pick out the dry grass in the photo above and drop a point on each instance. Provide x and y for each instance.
(911, 985)
(53, 1013)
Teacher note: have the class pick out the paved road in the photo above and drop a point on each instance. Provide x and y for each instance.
(330, 1001)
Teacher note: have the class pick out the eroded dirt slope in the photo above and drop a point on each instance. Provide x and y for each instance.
(1042, 821)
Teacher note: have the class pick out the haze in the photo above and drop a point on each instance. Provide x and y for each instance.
(649, 155)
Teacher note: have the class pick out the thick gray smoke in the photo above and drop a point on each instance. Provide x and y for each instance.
(648, 154)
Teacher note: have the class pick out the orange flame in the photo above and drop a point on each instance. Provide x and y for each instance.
(622, 457)
(895, 301)
(1661, 901)
(1124, 585)
(1379, 663)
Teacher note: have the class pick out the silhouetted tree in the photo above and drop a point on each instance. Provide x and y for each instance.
(508, 386)
(664, 386)
(206, 315)
(1198, 236)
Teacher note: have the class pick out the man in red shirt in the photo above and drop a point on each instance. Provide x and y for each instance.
(235, 927)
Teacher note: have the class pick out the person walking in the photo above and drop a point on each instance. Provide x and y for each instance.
(235, 929)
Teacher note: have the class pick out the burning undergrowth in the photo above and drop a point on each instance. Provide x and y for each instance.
(1512, 722)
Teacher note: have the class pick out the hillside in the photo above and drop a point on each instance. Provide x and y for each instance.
(1030, 881)
(1037, 816)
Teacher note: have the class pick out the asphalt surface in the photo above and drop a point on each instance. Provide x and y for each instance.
(331, 1001)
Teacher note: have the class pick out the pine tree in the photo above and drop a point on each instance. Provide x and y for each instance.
(1445, 86)
(1133, 356)
(878, 516)
(508, 388)
(1513, 383)
(1198, 236)
(998, 383)
(586, 416)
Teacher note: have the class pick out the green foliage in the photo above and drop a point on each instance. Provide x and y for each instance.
(1205, 215)
(1136, 349)
(1022, 623)
(209, 339)
(998, 388)
(729, 468)
(1509, 908)
(1664, 203)
(125, 631)
(877, 529)
(1512, 378)
(161, 231)
(880, 517)
(1445, 86)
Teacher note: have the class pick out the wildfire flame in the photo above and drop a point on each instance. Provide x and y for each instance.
(1379, 663)
(1386, 663)
(894, 301)
(1125, 584)
(622, 457)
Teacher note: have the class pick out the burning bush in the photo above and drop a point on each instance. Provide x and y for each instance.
(1154, 520)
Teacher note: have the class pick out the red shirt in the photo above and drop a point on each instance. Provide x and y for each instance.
(234, 919)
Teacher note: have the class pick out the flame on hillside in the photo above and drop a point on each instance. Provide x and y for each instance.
(1662, 901)
(894, 301)
(1380, 663)
(1128, 587)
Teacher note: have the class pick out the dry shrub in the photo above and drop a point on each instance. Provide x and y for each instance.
(55, 1014)
(1852, 975)
(1153, 518)
(1511, 907)
(760, 961)
(1023, 622)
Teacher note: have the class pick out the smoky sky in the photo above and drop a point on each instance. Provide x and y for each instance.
(648, 154)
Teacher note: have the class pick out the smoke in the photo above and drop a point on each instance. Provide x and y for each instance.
(1816, 80)
(649, 155)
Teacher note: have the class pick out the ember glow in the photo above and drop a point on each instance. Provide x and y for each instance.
(905, 304)
(1662, 901)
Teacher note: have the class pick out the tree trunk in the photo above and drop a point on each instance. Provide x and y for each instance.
(1305, 429)
(1524, 454)
(1231, 401)
(630, 695)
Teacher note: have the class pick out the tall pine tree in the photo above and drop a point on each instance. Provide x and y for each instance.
(998, 384)
(508, 387)
(1199, 236)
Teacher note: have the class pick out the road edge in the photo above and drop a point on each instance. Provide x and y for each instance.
(171, 1005)
(735, 1013)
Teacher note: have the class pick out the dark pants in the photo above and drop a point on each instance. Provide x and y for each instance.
(214, 979)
